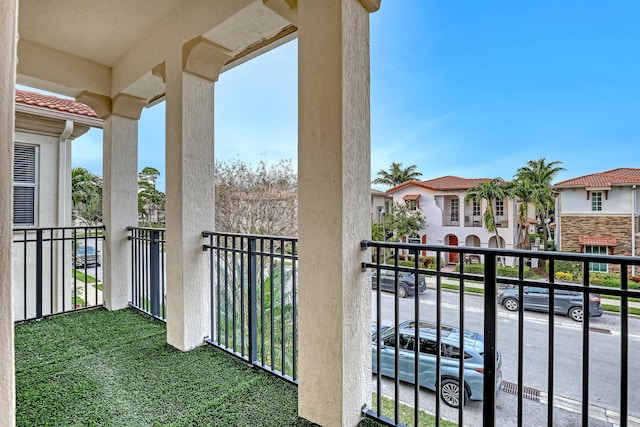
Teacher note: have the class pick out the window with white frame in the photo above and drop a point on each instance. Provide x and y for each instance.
(412, 204)
(476, 208)
(596, 201)
(25, 188)
(600, 267)
(455, 210)
(499, 207)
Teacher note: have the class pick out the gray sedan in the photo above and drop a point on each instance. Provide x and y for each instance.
(569, 303)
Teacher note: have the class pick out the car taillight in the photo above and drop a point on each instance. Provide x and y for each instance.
(594, 299)
(479, 370)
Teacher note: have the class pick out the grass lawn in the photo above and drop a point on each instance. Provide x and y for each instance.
(101, 368)
(84, 277)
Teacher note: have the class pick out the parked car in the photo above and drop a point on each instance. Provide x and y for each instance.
(86, 255)
(449, 361)
(568, 303)
(406, 282)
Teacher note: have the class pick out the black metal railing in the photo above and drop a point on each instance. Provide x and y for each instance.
(56, 270)
(148, 273)
(254, 299)
(486, 280)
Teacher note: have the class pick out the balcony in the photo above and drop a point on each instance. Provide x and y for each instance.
(97, 367)
(553, 370)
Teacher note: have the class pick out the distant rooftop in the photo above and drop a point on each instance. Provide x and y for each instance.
(618, 176)
(444, 183)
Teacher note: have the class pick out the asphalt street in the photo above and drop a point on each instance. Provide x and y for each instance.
(604, 362)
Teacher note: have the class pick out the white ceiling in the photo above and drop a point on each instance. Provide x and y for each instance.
(110, 46)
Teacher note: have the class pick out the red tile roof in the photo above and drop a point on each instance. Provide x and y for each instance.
(411, 197)
(53, 103)
(597, 241)
(454, 183)
(444, 183)
(604, 179)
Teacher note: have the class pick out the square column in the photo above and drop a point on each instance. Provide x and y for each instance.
(334, 197)
(8, 42)
(119, 206)
(189, 79)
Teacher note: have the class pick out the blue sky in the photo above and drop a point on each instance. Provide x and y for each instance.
(474, 89)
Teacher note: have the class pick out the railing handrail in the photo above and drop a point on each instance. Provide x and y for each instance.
(250, 236)
(556, 255)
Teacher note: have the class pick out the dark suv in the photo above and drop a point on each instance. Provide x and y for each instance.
(566, 302)
(406, 282)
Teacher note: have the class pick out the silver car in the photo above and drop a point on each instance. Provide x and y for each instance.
(86, 255)
(449, 360)
(565, 302)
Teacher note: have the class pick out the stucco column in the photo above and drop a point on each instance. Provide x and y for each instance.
(334, 197)
(190, 78)
(8, 39)
(119, 191)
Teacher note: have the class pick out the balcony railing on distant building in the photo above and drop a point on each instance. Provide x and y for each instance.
(451, 219)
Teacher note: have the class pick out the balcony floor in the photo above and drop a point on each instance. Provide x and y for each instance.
(97, 367)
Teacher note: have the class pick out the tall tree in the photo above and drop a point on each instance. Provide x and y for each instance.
(256, 201)
(401, 222)
(86, 196)
(397, 175)
(489, 191)
(151, 201)
(539, 174)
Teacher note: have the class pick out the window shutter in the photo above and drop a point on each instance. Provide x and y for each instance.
(24, 185)
(23, 206)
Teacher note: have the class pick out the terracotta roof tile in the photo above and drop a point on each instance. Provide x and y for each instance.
(53, 103)
(597, 241)
(454, 182)
(444, 183)
(411, 197)
(604, 179)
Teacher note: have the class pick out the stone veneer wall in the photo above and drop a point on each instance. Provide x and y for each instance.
(617, 226)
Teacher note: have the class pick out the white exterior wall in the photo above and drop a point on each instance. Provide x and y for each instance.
(50, 193)
(618, 201)
(433, 206)
(378, 203)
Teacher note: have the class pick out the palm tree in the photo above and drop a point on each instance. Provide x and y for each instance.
(524, 192)
(490, 191)
(539, 174)
(397, 175)
(86, 195)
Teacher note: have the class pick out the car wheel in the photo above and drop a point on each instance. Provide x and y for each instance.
(450, 393)
(510, 304)
(402, 292)
(576, 314)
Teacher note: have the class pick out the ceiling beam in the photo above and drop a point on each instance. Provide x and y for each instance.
(60, 72)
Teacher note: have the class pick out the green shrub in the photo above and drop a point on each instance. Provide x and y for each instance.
(513, 271)
(502, 271)
(572, 267)
(411, 264)
(567, 277)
